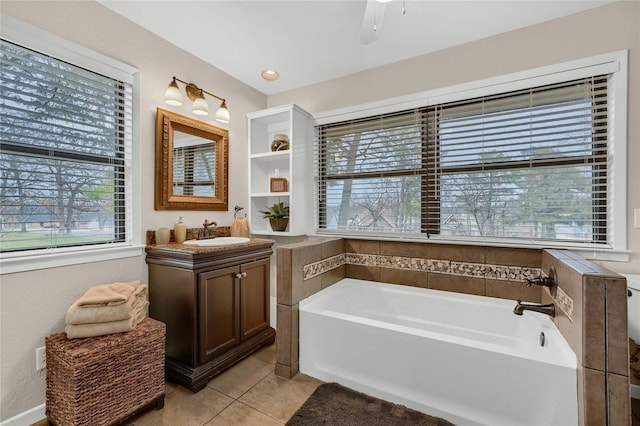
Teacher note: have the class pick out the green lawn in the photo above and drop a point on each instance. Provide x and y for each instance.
(31, 240)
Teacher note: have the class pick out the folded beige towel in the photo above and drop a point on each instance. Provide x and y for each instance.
(91, 314)
(108, 294)
(76, 331)
(97, 329)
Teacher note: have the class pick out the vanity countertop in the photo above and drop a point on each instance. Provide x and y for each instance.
(198, 254)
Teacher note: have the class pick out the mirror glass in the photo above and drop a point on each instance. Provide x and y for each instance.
(191, 164)
(194, 165)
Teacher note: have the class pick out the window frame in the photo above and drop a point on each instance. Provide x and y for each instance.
(23, 34)
(614, 63)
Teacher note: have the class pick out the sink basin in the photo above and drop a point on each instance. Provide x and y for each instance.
(216, 242)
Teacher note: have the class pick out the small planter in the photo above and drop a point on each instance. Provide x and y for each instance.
(279, 223)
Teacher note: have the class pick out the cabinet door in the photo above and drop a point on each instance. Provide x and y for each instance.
(219, 312)
(255, 298)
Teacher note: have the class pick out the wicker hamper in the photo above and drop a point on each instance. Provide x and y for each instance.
(103, 380)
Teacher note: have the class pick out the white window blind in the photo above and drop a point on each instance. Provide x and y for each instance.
(66, 139)
(194, 170)
(372, 173)
(530, 164)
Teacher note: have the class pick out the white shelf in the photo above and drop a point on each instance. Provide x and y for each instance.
(270, 155)
(294, 164)
(269, 194)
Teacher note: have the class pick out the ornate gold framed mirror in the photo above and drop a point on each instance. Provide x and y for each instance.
(191, 164)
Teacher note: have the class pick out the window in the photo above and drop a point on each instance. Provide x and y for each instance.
(372, 173)
(528, 164)
(65, 154)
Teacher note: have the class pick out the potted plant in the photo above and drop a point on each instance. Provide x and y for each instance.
(278, 216)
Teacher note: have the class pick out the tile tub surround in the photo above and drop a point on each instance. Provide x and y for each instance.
(591, 299)
(291, 260)
(597, 334)
(307, 267)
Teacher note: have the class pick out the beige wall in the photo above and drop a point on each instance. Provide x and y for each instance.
(33, 304)
(606, 29)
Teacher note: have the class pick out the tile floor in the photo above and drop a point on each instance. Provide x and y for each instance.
(249, 393)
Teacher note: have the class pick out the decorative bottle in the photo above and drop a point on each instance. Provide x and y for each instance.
(180, 231)
(163, 236)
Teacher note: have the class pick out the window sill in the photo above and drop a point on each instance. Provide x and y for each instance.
(589, 253)
(11, 263)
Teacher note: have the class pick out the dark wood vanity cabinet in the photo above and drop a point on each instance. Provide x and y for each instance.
(215, 303)
(233, 306)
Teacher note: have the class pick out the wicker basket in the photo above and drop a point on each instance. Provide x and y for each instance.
(103, 380)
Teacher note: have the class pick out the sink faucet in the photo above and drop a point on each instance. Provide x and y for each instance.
(208, 230)
(207, 224)
(549, 309)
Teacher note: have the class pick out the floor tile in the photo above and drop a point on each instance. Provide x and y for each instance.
(183, 407)
(280, 398)
(241, 377)
(249, 393)
(266, 354)
(239, 414)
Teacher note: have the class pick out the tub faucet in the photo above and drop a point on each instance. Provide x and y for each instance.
(549, 309)
(550, 281)
(541, 281)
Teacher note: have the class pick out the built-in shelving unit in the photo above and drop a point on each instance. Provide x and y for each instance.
(294, 164)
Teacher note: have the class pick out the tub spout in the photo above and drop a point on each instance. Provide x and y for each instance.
(549, 309)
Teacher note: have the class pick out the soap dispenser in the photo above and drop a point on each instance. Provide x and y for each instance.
(180, 231)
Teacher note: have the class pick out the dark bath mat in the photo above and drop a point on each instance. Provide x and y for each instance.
(335, 405)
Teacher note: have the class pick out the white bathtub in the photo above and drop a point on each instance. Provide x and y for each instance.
(464, 358)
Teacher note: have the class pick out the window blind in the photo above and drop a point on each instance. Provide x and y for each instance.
(530, 164)
(65, 153)
(372, 173)
(194, 170)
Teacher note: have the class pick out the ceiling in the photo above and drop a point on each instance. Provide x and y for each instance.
(309, 41)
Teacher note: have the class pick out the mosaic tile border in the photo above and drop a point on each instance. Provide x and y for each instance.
(318, 268)
(563, 301)
(438, 266)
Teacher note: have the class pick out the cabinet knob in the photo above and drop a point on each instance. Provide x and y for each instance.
(241, 275)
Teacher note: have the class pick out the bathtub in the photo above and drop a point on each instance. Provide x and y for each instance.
(464, 358)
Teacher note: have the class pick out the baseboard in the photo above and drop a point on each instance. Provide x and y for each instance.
(27, 418)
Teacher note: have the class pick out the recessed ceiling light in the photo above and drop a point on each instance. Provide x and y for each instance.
(270, 75)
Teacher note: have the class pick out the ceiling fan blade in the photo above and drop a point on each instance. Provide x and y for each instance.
(371, 21)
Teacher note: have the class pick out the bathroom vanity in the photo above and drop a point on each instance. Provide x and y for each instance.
(215, 303)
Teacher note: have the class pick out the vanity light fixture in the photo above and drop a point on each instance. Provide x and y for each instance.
(172, 96)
